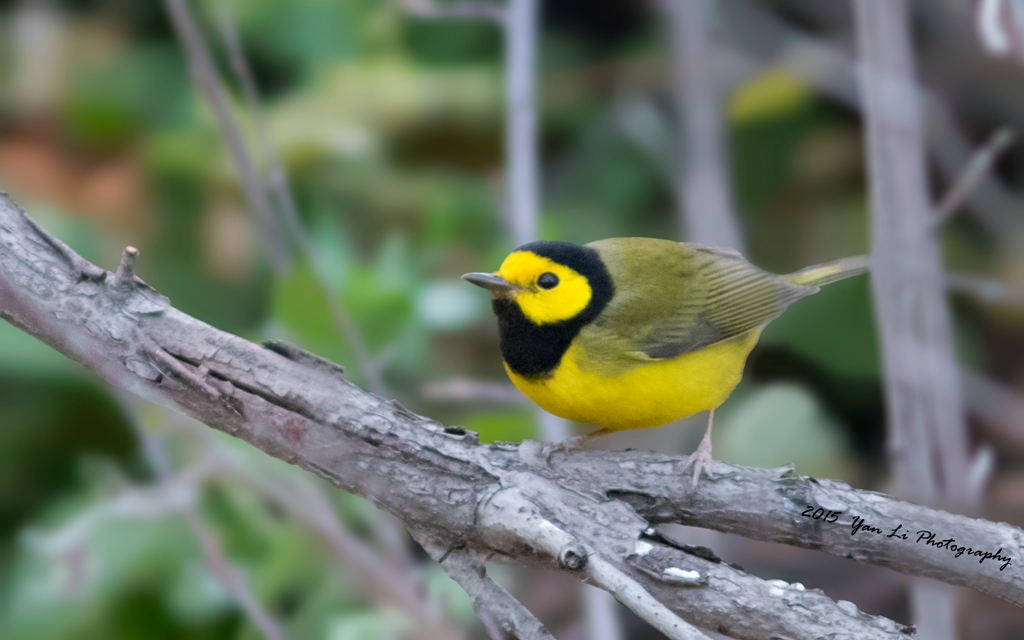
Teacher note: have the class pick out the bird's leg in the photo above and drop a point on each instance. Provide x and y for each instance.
(701, 458)
(574, 443)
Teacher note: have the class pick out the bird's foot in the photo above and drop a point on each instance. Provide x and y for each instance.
(701, 461)
(575, 443)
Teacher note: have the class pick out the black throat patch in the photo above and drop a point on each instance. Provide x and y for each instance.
(532, 350)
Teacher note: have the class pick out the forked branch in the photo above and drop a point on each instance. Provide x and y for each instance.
(589, 514)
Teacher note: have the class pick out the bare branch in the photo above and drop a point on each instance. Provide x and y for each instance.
(627, 591)
(977, 167)
(204, 72)
(923, 391)
(230, 578)
(439, 481)
(125, 275)
(491, 602)
(926, 430)
(521, 159)
(705, 199)
(985, 289)
(674, 573)
(779, 505)
(1000, 409)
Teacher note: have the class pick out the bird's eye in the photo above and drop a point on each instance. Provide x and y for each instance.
(547, 281)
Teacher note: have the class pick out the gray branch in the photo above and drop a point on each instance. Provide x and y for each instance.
(502, 615)
(927, 441)
(768, 505)
(707, 204)
(454, 492)
(977, 168)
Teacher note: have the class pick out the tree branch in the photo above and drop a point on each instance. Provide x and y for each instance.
(928, 439)
(502, 614)
(926, 431)
(444, 485)
(978, 166)
(704, 196)
(770, 505)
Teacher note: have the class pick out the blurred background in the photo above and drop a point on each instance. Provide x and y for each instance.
(324, 172)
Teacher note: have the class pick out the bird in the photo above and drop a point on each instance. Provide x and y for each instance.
(632, 333)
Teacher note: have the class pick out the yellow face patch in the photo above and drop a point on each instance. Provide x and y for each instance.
(563, 301)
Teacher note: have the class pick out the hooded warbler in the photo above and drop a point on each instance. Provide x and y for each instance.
(630, 333)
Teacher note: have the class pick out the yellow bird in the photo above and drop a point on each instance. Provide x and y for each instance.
(630, 333)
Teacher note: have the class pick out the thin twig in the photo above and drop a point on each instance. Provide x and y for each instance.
(305, 501)
(278, 179)
(627, 591)
(985, 289)
(276, 175)
(521, 159)
(308, 504)
(204, 72)
(999, 408)
(230, 579)
(977, 167)
(508, 618)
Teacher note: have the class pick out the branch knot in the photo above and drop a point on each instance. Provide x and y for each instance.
(573, 557)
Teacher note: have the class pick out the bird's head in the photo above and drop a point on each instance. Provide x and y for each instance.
(549, 282)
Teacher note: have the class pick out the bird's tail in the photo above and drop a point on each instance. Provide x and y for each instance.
(829, 272)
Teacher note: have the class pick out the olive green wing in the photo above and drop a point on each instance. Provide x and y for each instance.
(673, 298)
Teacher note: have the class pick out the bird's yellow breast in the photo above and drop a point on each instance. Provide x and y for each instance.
(648, 395)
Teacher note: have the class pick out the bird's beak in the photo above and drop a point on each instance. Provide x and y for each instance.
(490, 281)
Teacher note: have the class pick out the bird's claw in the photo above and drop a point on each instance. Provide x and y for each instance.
(701, 461)
(568, 446)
